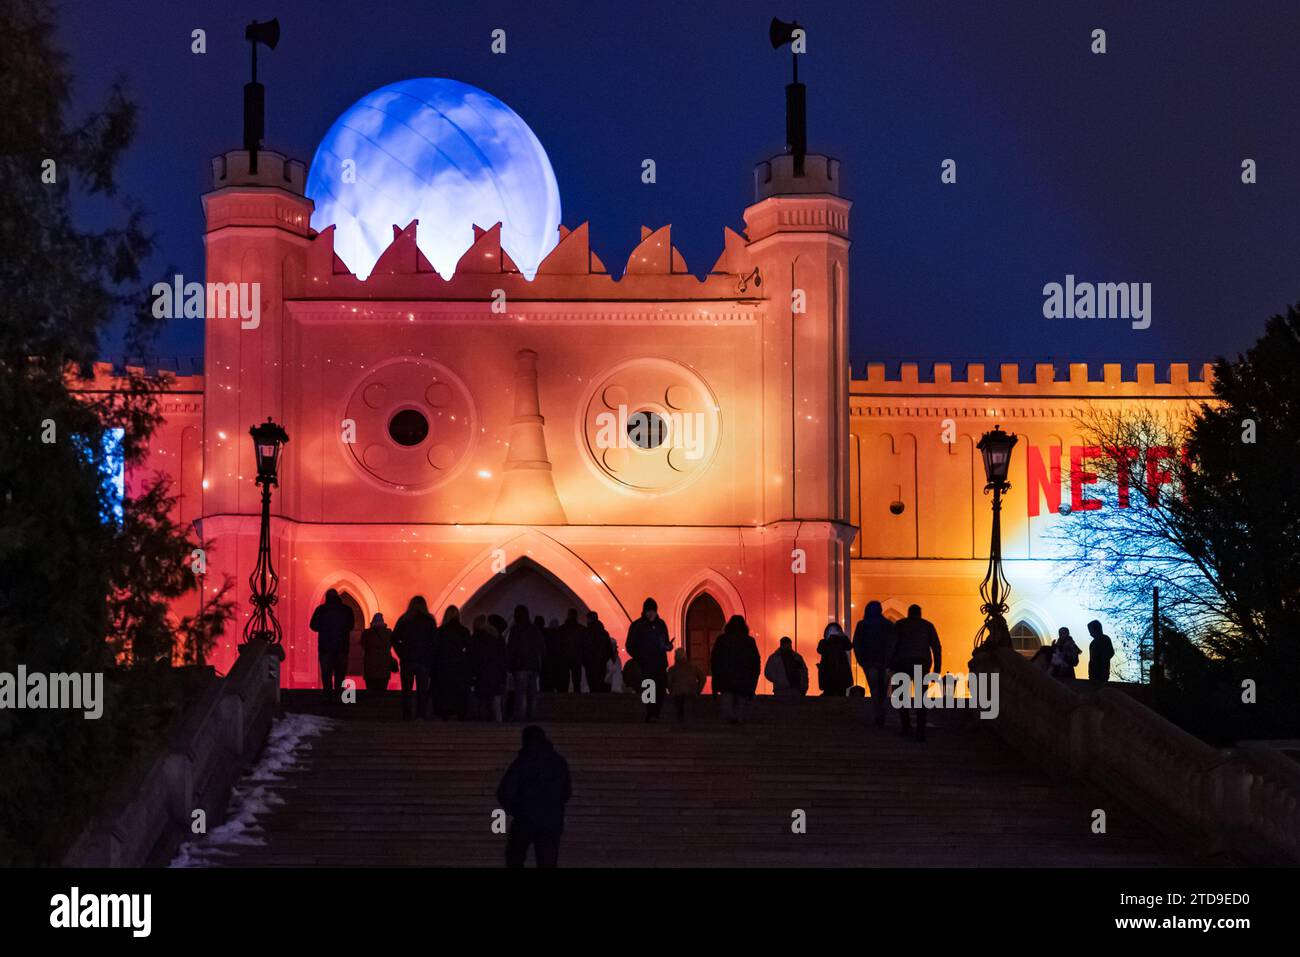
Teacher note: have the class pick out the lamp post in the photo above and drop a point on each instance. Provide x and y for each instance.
(996, 448)
(268, 440)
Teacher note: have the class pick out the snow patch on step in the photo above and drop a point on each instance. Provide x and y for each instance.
(254, 795)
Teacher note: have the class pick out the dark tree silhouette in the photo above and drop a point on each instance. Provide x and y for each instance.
(1221, 539)
(76, 585)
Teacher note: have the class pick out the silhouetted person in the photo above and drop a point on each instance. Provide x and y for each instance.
(549, 677)
(1065, 655)
(526, 652)
(835, 669)
(735, 665)
(377, 665)
(630, 675)
(786, 671)
(503, 629)
(332, 621)
(597, 650)
(916, 645)
(569, 639)
(873, 646)
(452, 671)
(414, 639)
(614, 670)
(685, 681)
(1100, 652)
(487, 654)
(648, 644)
(533, 792)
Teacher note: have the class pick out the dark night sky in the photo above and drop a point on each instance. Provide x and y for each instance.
(1122, 167)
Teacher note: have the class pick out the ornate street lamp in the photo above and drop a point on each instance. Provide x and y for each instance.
(996, 448)
(268, 440)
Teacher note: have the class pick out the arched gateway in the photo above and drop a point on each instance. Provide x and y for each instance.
(524, 583)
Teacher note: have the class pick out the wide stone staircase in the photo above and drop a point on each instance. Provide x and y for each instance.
(377, 791)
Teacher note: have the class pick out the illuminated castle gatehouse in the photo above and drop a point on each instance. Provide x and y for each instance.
(482, 414)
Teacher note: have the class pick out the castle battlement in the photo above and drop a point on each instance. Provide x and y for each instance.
(1178, 379)
(169, 375)
(655, 269)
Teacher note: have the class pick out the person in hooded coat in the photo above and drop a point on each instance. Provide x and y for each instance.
(526, 652)
(597, 650)
(452, 671)
(786, 671)
(534, 791)
(1065, 655)
(735, 664)
(333, 623)
(685, 681)
(487, 653)
(1100, 651)
(377, 665)
(503, 629)
(873, 646)
(414, 639)
(835, 669)
(549, 677)
(569, 639)
(648, 644)
(917, 652)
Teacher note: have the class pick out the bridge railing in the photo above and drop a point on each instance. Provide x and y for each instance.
(149, 812)
(1243, 802)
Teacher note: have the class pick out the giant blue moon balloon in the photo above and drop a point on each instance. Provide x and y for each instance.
(445, 153)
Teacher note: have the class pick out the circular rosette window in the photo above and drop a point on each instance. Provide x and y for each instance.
(651, 425)
(412, 424)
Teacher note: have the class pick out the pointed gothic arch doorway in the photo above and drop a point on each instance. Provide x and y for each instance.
(356, 654)
(523, 582)
(704, 622)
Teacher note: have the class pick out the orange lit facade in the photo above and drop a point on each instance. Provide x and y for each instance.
(474, 439)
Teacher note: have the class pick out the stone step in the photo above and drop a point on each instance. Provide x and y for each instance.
(377, 791)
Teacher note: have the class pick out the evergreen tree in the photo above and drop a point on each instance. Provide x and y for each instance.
(77, 585)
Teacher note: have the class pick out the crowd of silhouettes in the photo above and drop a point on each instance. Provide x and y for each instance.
(489, 670)
(493, 669)
(496, 669)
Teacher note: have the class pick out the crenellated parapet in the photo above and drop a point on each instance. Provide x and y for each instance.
(1178, 379)
(572, 271)
(181, 391)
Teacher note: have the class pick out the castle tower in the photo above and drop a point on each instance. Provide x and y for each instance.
(798, 232)
(255, 222)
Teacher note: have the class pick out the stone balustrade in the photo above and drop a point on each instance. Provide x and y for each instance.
(148, 813)
(1242, 803)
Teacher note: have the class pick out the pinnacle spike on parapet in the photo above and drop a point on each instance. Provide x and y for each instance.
(735, 252)
(486, 255)
(527, 495)
(655, 254)
(403, 256)
(572, 255)
(322, 261)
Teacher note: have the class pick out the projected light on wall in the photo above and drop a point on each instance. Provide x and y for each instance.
(113, 467)
(445, 153)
